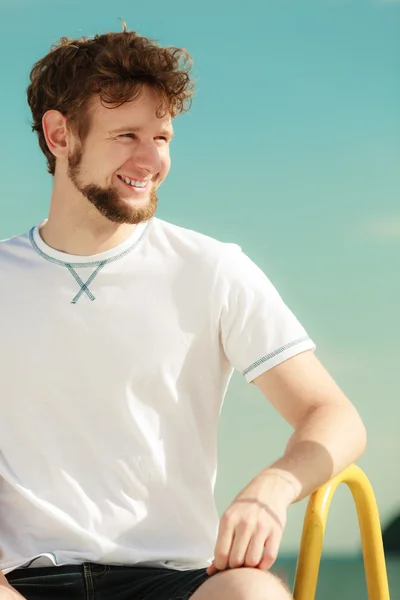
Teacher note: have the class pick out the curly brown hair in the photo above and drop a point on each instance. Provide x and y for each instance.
(115, 66)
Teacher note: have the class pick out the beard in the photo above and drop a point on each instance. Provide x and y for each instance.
(109, 201)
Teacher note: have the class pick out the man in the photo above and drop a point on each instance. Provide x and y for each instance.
(119, 335)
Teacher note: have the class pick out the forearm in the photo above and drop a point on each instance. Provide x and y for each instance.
(328, 440)
(325, 441)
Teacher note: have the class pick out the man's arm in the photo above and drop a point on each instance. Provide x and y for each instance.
(328, 436)
(328, 432)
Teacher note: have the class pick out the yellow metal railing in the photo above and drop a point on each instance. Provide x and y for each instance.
(370, 529)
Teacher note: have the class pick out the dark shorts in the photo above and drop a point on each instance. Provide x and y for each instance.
(101, 582)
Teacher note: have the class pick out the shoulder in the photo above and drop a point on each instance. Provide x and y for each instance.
(14, 247)
(231, 269)
(190, 243)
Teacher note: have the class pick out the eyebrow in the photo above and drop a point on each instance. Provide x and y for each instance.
(164, 131)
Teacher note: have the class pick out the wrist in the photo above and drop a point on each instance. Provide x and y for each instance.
(280, 484)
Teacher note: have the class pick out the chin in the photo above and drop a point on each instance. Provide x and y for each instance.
(136, 201)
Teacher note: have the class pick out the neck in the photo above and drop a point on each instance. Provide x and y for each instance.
(75, 226)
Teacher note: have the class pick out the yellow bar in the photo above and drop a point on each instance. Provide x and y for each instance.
(370, 529)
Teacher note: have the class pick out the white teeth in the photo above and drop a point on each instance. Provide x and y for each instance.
(133, 182)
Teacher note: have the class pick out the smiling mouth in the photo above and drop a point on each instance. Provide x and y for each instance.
(134, 183)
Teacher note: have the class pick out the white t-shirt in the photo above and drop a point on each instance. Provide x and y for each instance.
(113, 371)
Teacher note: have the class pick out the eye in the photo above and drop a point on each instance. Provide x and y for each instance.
(128, 135)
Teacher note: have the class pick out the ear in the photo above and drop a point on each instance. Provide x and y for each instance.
(56, 133)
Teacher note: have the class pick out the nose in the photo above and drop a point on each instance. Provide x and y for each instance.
(146, 156)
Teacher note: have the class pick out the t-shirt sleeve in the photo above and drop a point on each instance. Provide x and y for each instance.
(258, 331)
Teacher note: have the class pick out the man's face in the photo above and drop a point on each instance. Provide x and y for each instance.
(124, 158)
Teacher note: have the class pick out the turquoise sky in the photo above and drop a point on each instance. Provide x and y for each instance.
(292, 150)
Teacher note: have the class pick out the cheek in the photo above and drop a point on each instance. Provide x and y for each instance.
(102, 165)
(165, 163)
(118, 157)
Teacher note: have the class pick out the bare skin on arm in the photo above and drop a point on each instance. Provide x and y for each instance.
(328, 436)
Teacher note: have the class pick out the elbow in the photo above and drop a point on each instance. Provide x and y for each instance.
(359, 437)
(363, 444)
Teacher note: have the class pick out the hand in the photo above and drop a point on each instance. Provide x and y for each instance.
(251, 529)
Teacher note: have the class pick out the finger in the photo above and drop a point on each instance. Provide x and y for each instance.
(270, 552)
(224, 543)
(241, 541)
(212, 569)
(255, 550)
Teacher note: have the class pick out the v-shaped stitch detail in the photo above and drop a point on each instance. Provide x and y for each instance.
(84, 286)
